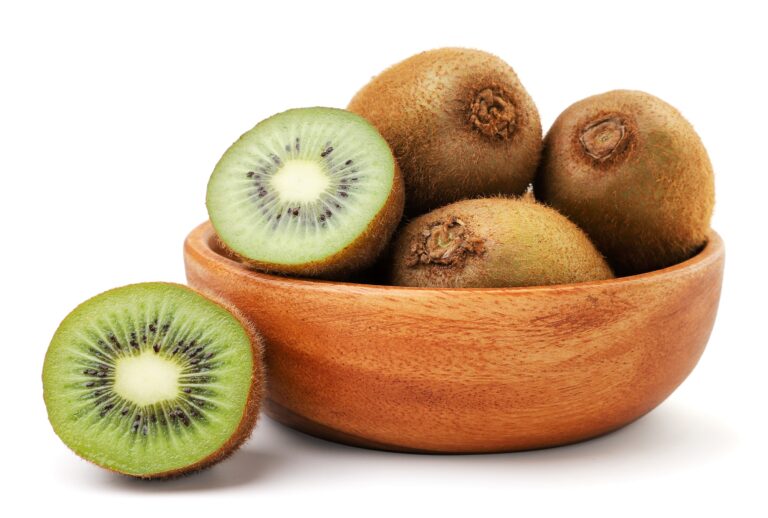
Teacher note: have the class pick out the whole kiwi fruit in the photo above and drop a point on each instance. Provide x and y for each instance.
(153, 380)
(632, 172)
(494, 242)
(460, 123)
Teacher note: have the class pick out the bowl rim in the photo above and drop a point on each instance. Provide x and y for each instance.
(198, 241)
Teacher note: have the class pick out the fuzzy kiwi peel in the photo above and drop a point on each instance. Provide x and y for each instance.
(632, 172)
(310, 191)
(460, 123)
(494, 242)
(153, 380)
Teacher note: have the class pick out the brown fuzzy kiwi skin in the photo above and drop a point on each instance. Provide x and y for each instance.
(433, 109)
(358, 255)
(253, 402)
(505, 242)
(645, 198)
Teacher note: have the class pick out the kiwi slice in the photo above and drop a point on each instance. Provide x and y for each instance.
(310, 191)
(632, 172)
(494, 242)
(153, 380)
(460, 122)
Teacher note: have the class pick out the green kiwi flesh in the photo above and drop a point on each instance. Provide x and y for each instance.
(309, 191)
(460, 123)
(152, 380)
(494, 242)
(632, 172)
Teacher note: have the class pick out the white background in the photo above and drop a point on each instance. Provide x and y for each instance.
(112, 118)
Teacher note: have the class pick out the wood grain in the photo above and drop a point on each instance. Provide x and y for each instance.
(469, 370)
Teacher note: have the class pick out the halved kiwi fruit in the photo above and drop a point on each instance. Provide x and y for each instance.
(494, 242)
(632, 172)
(460, 123)
(153, 380)
(310, 191)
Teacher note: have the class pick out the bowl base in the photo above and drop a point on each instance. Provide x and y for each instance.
(292, 420)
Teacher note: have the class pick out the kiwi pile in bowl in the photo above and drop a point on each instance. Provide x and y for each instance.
(621, 184)
(436, 175)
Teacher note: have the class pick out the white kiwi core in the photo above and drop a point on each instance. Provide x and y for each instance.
(300, 180)
(147, 379)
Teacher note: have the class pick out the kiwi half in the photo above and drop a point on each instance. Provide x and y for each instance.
(494, 242)
(460, 123)
(153, 380)
(632, 172)
(310, 191)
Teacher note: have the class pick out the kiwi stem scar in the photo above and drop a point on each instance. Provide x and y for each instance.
(602, 138)
(493, 113)
(444, 243)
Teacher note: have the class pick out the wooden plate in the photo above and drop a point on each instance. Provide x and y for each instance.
(469, 370)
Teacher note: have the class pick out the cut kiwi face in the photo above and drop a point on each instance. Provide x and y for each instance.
(153, 380)
(310, 191)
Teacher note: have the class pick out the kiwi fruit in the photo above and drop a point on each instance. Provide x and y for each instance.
(632, 172)
(309, 191)
(153, 380)
(460, 123)
(494, 242)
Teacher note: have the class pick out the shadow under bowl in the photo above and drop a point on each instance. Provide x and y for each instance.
(468, 370)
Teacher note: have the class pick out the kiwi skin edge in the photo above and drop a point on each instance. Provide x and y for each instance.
(251, 411)
(459, 122)
(632, 172)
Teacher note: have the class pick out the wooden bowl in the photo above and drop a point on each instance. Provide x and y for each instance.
(469, 370)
